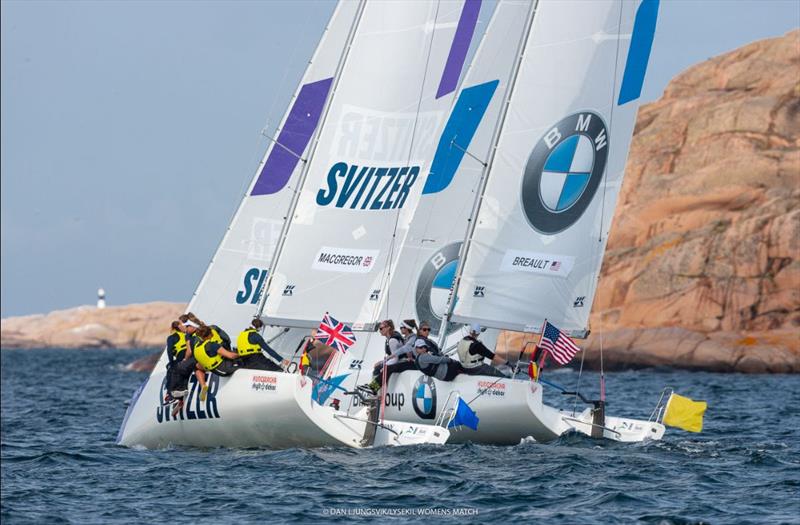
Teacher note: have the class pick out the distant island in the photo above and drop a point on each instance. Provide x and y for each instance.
(702, 269)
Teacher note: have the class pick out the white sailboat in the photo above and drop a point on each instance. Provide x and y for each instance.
(536, 239)
(254, 408)
(373, 98)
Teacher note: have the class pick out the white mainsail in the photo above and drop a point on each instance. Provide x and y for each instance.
(540, 233)
(228, 294)
(424, 274)
(370, 162)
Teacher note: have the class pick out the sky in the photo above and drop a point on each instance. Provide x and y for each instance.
(129, 130)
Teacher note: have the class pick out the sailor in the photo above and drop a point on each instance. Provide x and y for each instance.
(407, 329)
(218, 334)
(424, 332)
(472, 352)
(393, 339)
(255, 353)
(395, 360)
(177, 346)
(437, 366)
(212, 357)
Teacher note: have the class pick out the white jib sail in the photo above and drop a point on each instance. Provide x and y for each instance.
(421, 282)
(367, 171)
(228, 294)
(544, 218)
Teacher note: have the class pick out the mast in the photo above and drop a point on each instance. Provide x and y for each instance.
(297, 191)
(484, 174)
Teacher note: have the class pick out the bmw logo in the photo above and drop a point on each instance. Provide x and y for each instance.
(564, 171)
(434, 284)
(423, 397)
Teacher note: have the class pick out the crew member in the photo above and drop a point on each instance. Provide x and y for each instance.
(472, 352)
(218, 334)
(212, 357)
(437, 366)
(177, 346)
(252, 348)
(424, 332)
(395, 361)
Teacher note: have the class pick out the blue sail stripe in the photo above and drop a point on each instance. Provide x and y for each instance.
(460, 128)
(644, 28)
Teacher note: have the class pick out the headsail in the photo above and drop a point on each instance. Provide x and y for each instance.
(370, 162)
(540, 233)
(228, 293)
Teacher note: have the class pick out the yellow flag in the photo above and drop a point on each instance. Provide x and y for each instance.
(684, 413)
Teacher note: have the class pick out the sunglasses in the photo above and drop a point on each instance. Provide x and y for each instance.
(425, 329)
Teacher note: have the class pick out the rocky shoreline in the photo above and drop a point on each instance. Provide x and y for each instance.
(147, 326)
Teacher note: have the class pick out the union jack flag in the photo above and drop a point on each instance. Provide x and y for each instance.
(335, 334)
(557, 344)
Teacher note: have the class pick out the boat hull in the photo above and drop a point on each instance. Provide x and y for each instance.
(252, 408)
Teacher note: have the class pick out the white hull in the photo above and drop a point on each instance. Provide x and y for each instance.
(509, 410)
(254, 408)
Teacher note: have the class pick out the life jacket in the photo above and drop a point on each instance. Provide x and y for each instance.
(179, 347)
(433, 348)
(243, 344)
(215, 337)
(208, 362)
(397, 337)
(468, 360)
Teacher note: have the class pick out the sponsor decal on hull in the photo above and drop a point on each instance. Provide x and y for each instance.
(264, 383)
(423, 397)
(492, 389)
(193, 407)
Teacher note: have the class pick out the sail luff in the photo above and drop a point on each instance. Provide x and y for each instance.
(303, 175)
(485, 173)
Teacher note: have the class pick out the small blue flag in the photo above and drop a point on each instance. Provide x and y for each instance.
(325, 387)
(464, 416)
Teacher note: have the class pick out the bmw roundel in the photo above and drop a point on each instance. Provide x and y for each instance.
(434, 284)
(423, 397)
(564, 171)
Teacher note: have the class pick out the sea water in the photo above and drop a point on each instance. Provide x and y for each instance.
(61, 410)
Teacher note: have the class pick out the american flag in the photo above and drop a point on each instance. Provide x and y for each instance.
(557, 344)
(335, 334)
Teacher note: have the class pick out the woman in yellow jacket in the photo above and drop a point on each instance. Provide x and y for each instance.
(212, 357)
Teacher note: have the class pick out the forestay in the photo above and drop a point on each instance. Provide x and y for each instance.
(228, 294)
(421, 283)
(373, 154)
(543, 222)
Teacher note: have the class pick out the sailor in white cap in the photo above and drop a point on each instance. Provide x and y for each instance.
(472, 352)
(438, 366)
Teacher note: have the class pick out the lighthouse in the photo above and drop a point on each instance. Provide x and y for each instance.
(101, 298)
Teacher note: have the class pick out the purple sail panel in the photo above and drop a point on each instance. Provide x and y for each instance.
(297, 130)
(459, 47)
